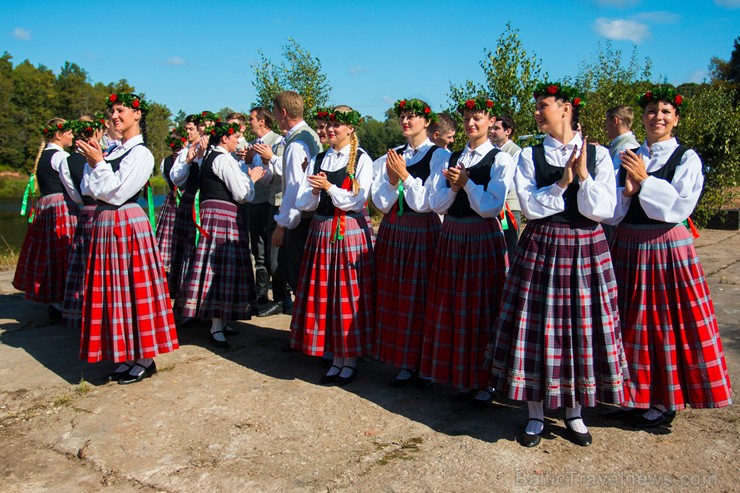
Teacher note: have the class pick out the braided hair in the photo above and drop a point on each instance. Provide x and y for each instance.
(353, 146)
(45, 141)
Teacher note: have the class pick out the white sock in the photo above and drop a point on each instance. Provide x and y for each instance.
(576, 425)
(348, 367)
(125, 366)
(484, 395)
(403, 375)
(536, 411)
(217, 327)
(336, 367)
(140, 365)
(654, 412)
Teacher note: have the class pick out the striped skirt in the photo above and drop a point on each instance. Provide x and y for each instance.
(335, 303)
(165, 229)
(557, 338)
(220, 280)
(465, 282)
(404, 252)
(42, 263)
(75, 282)
(182, 248)
(670, 332)
(126, 311)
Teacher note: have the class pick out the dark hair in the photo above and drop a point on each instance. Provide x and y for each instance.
(190, 119)
(507, 122)
(574, 121)
(263, 114)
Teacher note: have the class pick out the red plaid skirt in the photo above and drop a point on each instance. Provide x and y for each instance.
(335, 303)
(220, 281)
(42, 264)
(557, 338)
(463, 299)
(669, 329)
(182, 249)
(126, 311)
(165, 228)
(403, 254)
(75, 282)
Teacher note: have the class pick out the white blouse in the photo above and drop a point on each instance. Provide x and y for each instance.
(670, 202)
(228, 170)
(596, 195)
(416, 192)
(487, 202)
(60, 165)
(181, 167)
(342, 199)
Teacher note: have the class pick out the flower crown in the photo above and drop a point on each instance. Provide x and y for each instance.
(206, 116)
(175, 141)
(351, 117)
(660, 93)
(560, 91)
(89, 126)
(417, 107)
(220, 129)
(479, 104)
(50, 130)
(128, 99)
(321, 113)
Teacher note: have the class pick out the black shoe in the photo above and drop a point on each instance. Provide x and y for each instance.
(342, 381)
(640, 421)
(217, 343)
(288, 349)
(117, 375)
(527, 439)
(463, 396)
(228, 331)
(622, 413)
(270, 309)
(288, 308)
(482, 403)
(331, 378)
(669, 417)
(397, 383)
(148, 372)
(263, 300)
(253, 310)
(55, 314)
(424, 383)
(582, 439)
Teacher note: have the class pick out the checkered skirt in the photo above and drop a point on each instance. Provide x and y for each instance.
(165, 229)
(182, 249)
(465, 282)
(334, 306)
(403, 255)
(220, 280)
(42, 263)
(75, 281)
(126, 311)
(557, 338)
(670, 332)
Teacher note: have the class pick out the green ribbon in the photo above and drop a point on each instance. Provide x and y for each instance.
(400, 198)
(28, 194)
(178, 196)
(150, 204)
(196, 212)
(505, 222)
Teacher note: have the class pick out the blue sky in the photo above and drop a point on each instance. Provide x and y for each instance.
(373, 53)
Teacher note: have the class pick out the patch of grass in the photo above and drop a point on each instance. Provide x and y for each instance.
(83, 387)
(8, 256)
(403, 451)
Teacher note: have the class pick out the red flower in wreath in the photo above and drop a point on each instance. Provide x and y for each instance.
(402, 104)
(135, 104)
(204, 114)
(552, 89)
(213, 132)
(332, 116)
(576, 101)
(218, 120)
(648, 95)
(112, 98)
(231, 131)
(678, 99)
(470, 104)
(172, 144)
(88, 129)
(46, 131)
(184, 140)
(427, 110)
(60, 126)
(489, 103)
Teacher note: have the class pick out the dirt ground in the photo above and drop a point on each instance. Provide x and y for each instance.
(255, 419)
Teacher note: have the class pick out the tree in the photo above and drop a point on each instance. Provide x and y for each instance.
(74, 96)
(377, 137)
(727, 70)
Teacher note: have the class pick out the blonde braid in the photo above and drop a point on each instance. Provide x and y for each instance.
(352, 163)
(53, 121)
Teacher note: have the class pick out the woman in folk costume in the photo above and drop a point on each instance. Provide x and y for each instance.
(407, 240)
(470, 263)
(166, 220)
(334, 309)
(42, 264)
(556, 342)
(670, 333)
(219, 284)
(126, 314)
(87, 128)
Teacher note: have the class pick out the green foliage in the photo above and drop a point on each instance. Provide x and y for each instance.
(377, 137)
(711, 126)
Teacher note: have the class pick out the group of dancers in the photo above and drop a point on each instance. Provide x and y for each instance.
(561, 319)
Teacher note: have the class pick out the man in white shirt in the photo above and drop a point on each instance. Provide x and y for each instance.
(501, 138)
(618, 126)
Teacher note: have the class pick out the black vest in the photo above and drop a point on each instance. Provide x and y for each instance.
(49, 182)
(115, 165)
(168, 162)
(420, 169)
(635, 213)
(326, 206)
(480, 174)
(211, 186)
(76, 163)
(546, 175)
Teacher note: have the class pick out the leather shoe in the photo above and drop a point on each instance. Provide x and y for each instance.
(342, 381)
(55, 315)
(621, 413)
(270, 309)
(117, 375)
(397, 383)
(331, 378)
(217, 343)
(463, 396)
(148, 372)
(582, 439)
(529, 440)
(640, 421)
(669, 417)
(482, 403)
(228, 331)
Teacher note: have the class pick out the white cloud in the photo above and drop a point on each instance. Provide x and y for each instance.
(356, 70)
(698, 76)
(729, 4)
(620, 4)
(622, 29)
(387, 100)
(658, 17)
(175, 60)
(22, 34)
